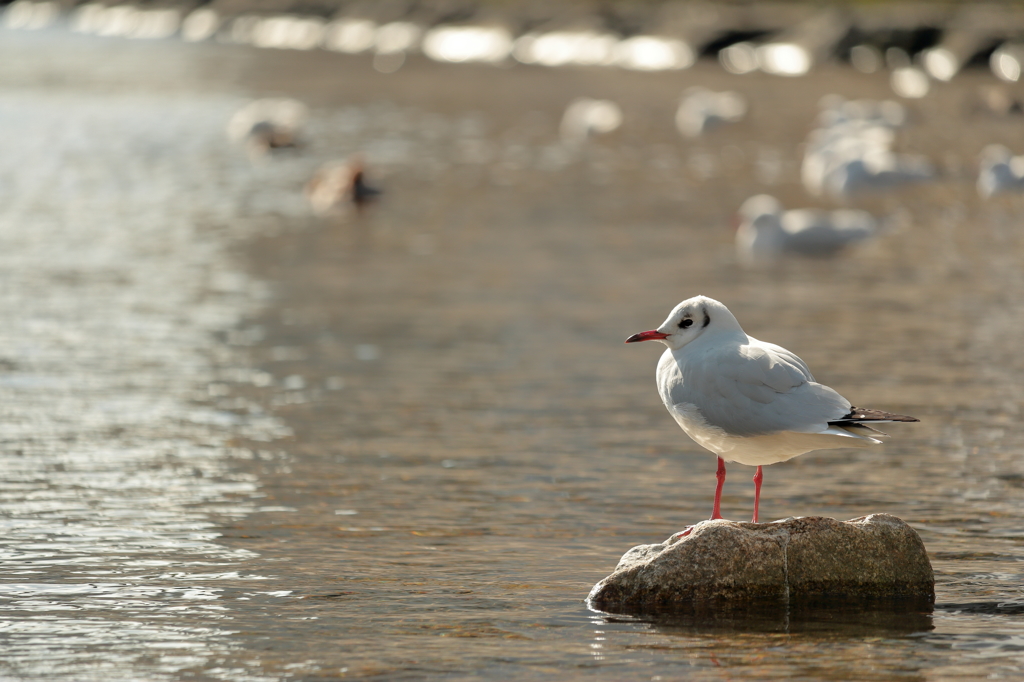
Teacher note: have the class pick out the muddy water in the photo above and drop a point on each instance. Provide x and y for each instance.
(244, 443)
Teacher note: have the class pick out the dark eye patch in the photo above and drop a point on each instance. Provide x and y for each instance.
(685, 323)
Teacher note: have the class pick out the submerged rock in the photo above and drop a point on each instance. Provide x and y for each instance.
(798, 559)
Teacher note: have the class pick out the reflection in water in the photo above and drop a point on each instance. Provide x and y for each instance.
(832, 617)
(759, 641)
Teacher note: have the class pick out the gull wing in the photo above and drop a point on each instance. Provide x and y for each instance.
(812, 231)
(755, 389)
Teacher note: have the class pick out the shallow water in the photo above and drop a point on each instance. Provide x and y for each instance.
(244, 443)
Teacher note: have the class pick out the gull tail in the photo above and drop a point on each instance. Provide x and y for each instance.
(857, 423)
(859, 416)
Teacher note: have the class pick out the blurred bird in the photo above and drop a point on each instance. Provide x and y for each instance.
(264, 125)
(700, 110)
(1000, 172)
(585, 118)
(766, 231)
(845, 167)
(746, 400)
(852, 150)
(884, 171)
(338, 186)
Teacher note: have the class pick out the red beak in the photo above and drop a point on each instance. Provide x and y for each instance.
(652, 335)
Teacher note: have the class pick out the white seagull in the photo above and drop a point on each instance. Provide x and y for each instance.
(852, 150)
(767, 231)
(1000, 171)
(701, 109)
(746, 400)
(585, 118)
(340, 185)
(268, 124)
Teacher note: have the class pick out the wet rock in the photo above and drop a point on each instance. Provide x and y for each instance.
(793, 560)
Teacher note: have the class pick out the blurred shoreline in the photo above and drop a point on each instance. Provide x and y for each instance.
(781, 38)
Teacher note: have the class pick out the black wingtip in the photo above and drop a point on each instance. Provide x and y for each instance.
(859, 415)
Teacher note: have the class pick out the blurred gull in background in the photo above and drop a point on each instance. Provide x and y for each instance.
(767, 232)
(1000, 171)
(873, 169)
(700, 110)
(267, 124)
(585, 118)
(339, 186)
(852, 150)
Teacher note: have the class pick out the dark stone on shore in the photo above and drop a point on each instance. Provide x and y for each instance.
(793, 560)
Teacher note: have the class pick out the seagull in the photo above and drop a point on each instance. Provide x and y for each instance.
(701, 109)
(585, 118)
(766, 231)
(335, 186)
(851, 150)
(264, 125)
(1000, 171)
(746, 400)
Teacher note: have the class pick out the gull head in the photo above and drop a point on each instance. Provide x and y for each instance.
(693, 318)
(759, 232)
(759, 206)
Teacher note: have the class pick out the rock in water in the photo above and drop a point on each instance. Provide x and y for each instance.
(872, 557)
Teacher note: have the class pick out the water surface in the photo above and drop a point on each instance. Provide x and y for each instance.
(242, 442)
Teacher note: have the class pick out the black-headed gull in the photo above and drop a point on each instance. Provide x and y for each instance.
(766, 231)
(267, 124)
(585, 118)
(338, 185)
(851, 151)
(746, 400)
(1000, 171)
(701, 109)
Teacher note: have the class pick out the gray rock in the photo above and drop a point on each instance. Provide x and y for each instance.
(793, 560)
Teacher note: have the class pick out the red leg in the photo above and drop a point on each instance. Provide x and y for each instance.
(758, 477)
(716, 513)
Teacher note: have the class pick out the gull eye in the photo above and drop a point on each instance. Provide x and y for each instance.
(685, 323)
